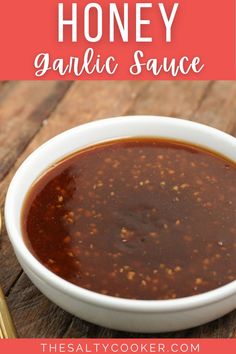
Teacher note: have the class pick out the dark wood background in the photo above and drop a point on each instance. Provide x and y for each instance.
(32, 112)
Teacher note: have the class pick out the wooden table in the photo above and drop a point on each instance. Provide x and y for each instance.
(32, 112)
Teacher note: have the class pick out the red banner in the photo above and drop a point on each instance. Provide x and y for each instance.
(118, 346)
(120, 40)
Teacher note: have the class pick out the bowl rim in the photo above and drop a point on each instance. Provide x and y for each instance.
(88, 296)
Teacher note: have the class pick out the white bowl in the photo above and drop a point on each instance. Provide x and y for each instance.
(116, 313)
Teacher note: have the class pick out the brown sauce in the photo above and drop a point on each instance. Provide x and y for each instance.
(136, 218)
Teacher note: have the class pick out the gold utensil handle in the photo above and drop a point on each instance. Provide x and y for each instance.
(7, 329)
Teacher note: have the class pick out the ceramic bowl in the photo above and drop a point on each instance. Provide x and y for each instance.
(117, 313)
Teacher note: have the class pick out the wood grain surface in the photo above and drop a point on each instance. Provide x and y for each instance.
(33, 112)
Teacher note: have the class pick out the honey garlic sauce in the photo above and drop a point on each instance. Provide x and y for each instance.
(136, 218)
